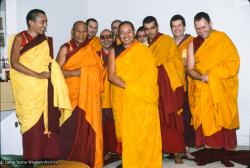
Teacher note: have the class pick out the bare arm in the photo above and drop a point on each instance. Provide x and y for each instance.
(191, 62)
(61, 59)
(111, 71)
(15, 64)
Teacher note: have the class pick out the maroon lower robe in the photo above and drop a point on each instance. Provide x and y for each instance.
(84, 139)
(224, 138)
(189, 133)
(36, 144)
(72, 144)
(109, 137)
(172, 130)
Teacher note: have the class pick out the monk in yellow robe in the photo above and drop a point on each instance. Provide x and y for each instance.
(40, 92)
(135, 100)
(182, 40)
(81, 135)
(171, 92)
(213, 64)
(94, 41)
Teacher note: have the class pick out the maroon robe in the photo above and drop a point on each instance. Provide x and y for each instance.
(172, 130)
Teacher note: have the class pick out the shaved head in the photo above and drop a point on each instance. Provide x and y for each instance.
(77, 23)
(106, 30)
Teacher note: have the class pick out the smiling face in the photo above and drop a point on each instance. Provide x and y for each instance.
(151, 30)
(79, 33)
(38, 25)
(92, 29)
(106, 39)
(177, 28)
(203, 27)
(126, 34)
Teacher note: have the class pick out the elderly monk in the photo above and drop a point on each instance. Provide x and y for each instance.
(109, 137)
(81, 135)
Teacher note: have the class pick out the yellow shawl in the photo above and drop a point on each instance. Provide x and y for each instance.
(166, 53)
(214, 104)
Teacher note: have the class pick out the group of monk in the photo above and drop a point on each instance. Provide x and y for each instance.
(137, 96)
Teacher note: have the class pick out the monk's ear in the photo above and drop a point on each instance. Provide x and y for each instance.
(30, 23)
(211, 24)
(157, 27)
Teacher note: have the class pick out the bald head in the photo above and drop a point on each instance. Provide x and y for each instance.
(105, 31)
(79, 23)
(79, 32)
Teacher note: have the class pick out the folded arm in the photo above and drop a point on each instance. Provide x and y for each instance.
(190, 65)
(111, 71)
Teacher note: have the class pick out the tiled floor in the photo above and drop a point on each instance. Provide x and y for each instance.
(187, 164)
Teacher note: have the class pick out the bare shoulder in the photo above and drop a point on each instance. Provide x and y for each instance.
(18, 38)
(62, 51)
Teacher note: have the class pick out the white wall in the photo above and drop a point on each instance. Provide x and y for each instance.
(230, 16)
(61, 16)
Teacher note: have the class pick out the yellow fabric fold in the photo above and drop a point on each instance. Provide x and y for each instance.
(214, 104)
(141, 137)
(166, 53)
(60, 88)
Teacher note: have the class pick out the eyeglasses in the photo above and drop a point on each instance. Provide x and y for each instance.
(103, 37)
